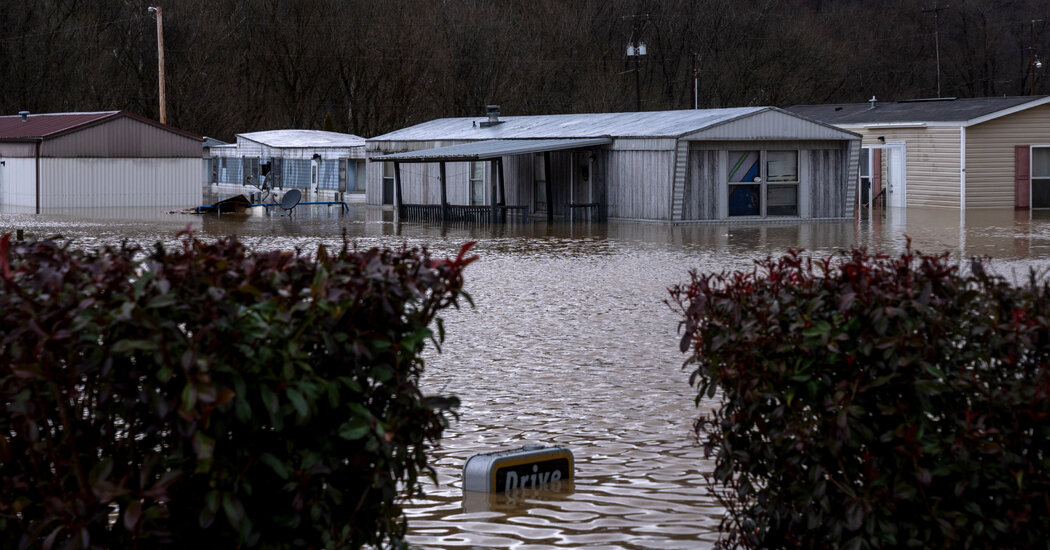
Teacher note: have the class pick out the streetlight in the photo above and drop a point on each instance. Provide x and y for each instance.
(160, 62)
(1033, 61)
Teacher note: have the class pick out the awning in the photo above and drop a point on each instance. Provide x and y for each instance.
(494, 148)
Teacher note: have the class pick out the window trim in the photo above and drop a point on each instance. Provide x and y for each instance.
(1032, 177)
(383, 183)
(764, 184)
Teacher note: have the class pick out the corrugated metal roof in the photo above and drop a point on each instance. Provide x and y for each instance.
(919, 111)
(304, 139)
(646, 124)
(52, 125)
(47, 125)
(212, 142)
(494, 148)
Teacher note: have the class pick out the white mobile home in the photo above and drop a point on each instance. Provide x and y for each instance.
(325, 163)
(98, 159)
(672, 166)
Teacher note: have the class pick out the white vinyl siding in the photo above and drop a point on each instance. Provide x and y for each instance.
(932, 162)
(18, 182)
(990, 154)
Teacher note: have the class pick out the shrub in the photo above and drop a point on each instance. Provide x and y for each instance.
(873, 402)
(213, 397)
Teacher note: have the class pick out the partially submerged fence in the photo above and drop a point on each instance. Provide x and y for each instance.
(469, 214)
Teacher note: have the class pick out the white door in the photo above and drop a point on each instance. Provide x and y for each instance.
(895, 180)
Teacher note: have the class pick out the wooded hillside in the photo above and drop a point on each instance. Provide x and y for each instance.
(370, 66)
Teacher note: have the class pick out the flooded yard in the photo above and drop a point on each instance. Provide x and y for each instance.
(570, 343)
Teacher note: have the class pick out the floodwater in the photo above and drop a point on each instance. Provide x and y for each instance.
(570, 343)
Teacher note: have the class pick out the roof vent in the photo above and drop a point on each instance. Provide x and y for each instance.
(24, 114)
(873, 103)
(493, 112)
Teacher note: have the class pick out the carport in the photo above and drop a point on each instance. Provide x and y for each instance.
(491, 152)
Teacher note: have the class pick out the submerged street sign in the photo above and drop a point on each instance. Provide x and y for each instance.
(528, 467)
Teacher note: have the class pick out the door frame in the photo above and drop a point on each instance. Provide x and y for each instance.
(888, 148)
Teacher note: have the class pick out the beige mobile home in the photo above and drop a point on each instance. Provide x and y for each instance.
(951, 153)
(750, 163)
(99, 159)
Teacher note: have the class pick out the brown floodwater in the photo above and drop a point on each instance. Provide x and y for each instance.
(570, 343)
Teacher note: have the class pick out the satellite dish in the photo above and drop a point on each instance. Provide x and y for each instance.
(290, 199)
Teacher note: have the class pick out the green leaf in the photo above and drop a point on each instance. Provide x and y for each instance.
(233, 508)
(354, 429)
(276, 465)
(132, 514)
(298, 402)
(125, 346)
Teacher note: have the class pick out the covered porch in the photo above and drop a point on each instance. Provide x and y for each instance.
(491, 154)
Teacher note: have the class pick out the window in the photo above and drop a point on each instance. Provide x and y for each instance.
(539, 183)
(763, 183)
(745, 184)
(351, 176)
(359, 176)
(865, 175)
(1040, 177)
(782, 183)
(477, 183)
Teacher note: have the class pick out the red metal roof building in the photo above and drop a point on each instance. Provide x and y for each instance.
(96, 159)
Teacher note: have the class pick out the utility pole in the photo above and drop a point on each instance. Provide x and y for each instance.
(696, 83)
(160, 62)
(936, 11)
(636, 49)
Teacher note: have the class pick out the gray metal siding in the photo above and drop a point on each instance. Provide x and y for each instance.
(639, 184)
(853, 151)
(700, 198)
(827, 174)
(771, 124)
(80, 182)
(17, 150)
(122, 137)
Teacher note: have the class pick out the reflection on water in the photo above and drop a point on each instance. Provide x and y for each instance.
(570, 344)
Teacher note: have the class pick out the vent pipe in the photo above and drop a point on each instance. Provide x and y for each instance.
(873, 103)
(25, 115)
(493, 113)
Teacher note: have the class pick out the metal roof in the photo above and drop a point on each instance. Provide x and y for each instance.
(212, 142)
(46, 125)
(304, 139)
(494, 148)
(646, 124)
(52, 125)
(948, 110)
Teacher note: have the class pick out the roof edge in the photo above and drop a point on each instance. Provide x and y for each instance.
(1015, 109)
(121, 114)
(760, 110)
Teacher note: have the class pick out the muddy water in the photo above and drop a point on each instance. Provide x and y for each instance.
(570, 343)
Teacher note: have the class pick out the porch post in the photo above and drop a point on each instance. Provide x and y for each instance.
(550, 194)
(502, 189)
(444, 194)
(397, 190)
(492, 190)
(590, 186)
